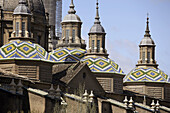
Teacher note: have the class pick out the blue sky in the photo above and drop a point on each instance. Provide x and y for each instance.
(125, 22)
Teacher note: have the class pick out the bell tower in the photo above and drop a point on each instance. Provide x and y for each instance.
(147, 50)
(21, 23)
(97, 37)
(71, 30)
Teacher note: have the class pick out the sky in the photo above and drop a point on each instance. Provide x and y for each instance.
(124, 22)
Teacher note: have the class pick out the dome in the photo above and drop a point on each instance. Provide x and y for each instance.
(147, 41)
(71, 18)
(23, 50)
(146, 75)
(33, 5)
(102, 64)
(67, 54)
(97, 28)
(22, 8)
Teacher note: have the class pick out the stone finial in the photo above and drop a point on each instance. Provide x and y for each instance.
(153, 105)
(51, 91)
(131, 102)
(58, 92)
(12, 87)
(85, 96)
(72, 11)
(144, 100)
(147, 27)
(125, 101)
(157, 106)
(91, 96)
(19, 87)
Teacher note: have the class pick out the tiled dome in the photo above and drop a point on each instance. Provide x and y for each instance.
(102, 64)
(146, 75)
(23, 50)
(67, 54)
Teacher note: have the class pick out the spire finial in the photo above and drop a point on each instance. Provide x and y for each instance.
(147, 27)
(72, 11)
(97, 13)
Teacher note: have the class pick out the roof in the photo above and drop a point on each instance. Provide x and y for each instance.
(97, 28)
(102, 64)
(146, 75)
(23, 50)
(147, 41)
(71, 18)
(67, 54)
(34, 5)
(22, 8)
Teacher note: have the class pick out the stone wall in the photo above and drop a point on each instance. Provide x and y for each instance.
(110, 82)
(9, 102)
(36, 70)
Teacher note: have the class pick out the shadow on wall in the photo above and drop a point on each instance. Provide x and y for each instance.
(14, 102)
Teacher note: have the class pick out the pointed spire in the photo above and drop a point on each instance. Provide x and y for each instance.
(97, 21)
(72, 11)
(147, 27)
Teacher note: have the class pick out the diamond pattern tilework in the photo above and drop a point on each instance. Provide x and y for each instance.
(23, 50)
(102, 64)
(67, 54)
(146, 75)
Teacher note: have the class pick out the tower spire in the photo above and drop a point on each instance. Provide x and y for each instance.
(147, 31)
(72, 11)
(97, 21)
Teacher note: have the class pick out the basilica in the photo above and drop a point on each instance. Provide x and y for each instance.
(72, 79)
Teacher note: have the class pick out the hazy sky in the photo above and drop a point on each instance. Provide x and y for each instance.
(125, 22)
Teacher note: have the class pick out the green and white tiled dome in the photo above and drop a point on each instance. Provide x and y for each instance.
(67, 55)
(146, 75)
(102, 64)
(24, 50)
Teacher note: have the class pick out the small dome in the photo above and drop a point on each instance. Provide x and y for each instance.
(146, 75)
(147, 41)
(97, 28)
(23, 50)
(67, 55)
(71, 18)
(102, 64)
(33, 5)
(22, 8)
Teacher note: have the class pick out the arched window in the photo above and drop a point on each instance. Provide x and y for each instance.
(143, 57)
(148, 56)
(67, 36)
(23, 29)
(84, 75)
(92, 46)
(39, 39)
(17, 28)
(73, 35)
(98, 45)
